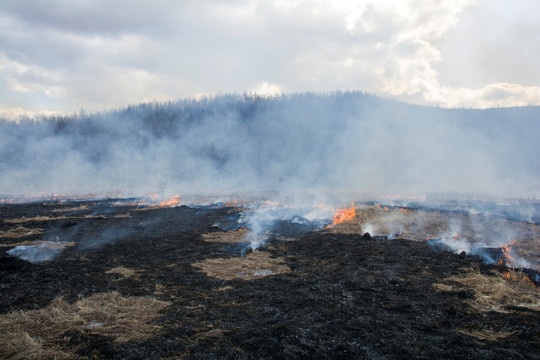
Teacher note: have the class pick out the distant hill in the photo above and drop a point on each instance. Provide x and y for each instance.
(347, 141)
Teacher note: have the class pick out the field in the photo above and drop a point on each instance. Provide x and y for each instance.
(129, 282)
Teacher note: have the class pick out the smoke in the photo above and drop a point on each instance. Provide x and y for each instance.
(325, 146)
(273, 219)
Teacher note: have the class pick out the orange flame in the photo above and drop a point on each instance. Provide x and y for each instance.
(170, 202)
(342, 215)
(515, 275)
(506, 258)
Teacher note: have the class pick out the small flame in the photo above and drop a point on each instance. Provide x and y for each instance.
(515, 275)
(170, 202)
(506, 258)
(342, 215)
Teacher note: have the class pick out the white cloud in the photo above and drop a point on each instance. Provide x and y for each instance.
(267, 89)
(99, 54)
(492, 95)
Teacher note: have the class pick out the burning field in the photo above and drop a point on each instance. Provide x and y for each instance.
(120, 278)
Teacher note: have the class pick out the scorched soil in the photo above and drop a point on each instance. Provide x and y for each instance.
(323, 294)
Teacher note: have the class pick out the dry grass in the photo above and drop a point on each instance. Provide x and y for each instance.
(494, 291)
(123, 216)
(35, 218)
(229, 237)
(488, 335)
(19, 232)
(71, 209)
(257, 265)
(25, 243)
(19, 345)
(55, 245)
(37, 334)
(49, 218)
(123, 272)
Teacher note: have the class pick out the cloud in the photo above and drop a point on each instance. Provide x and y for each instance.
(65, 56)
(267, 89)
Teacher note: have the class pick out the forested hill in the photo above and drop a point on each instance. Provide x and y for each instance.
(342, 140)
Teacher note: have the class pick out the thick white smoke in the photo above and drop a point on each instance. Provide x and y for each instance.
(330, 145)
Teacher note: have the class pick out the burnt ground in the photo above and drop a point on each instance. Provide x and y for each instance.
(322, 294)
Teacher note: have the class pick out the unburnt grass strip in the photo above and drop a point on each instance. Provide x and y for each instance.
(257, 265)
(45, 333)
(494, 291)
(20, 231)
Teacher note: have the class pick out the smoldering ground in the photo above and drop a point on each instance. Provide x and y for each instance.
(177, 290)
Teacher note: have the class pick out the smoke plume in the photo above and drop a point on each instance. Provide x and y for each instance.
(331, 146)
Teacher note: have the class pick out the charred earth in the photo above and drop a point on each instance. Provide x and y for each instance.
(130, 282)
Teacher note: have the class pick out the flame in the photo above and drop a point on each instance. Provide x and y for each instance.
(515, 275)
(506, 258)
(175, 200)
(403, 210)
(342, 215)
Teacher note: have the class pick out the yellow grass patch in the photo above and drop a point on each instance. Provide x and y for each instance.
(123, 272)
(49, 218)
(488, 335)
(77, 208)
(37, 334)
(19, 232)
(35, 218)
(123, 216)
(230, 237)
(19, 345)
(494, 291)
(257, 265)
(55, 245)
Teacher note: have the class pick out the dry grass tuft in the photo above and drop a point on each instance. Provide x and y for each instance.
(49, 218)
(494, 291)
(55, 245)
(123, 216)
(39, 333)
(229, 237)
(124, 272)
(488, 335)
(19, 345)
(257, 265)
(71, 209)
(19, 232)
(35, 218)
(25, 243)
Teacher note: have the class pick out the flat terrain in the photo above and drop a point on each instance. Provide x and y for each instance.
(126, 282)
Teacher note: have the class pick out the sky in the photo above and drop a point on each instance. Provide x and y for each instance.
(64, 56)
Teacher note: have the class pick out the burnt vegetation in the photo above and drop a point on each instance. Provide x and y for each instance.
(117, 280)
(145, 283)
